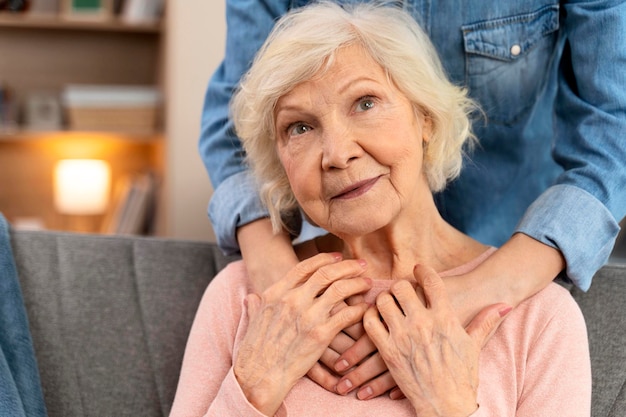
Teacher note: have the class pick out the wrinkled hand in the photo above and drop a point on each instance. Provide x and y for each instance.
(430, 355)
(293, 322)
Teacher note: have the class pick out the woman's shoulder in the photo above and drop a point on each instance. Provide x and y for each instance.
(233, 273)
(554, 297)
(551, 310)
(231, 284)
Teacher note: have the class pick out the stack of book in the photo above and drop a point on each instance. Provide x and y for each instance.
(127, 108)
(134, 206)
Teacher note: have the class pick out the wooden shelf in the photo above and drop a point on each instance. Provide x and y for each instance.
(28, 21)
(22, 136)
(44, 54)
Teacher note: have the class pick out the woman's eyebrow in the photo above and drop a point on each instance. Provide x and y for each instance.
(343, 87)
(288, 108)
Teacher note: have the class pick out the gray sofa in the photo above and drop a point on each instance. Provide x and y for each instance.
(110, 315)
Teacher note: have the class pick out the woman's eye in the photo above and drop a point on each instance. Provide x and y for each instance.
(365, 104)
(297, 129)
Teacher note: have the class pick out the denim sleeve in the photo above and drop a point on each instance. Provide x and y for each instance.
(234, 203)
(585, 231)
(580, 214)
(248, 24)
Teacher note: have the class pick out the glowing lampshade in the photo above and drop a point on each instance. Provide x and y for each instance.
(81, 186)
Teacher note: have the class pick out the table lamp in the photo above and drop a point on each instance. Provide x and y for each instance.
(81, 186)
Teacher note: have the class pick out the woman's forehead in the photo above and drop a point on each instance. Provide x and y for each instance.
(348, 66)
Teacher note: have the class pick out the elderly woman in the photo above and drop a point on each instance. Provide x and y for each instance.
(347, 115)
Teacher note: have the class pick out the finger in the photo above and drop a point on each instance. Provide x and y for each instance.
(328, 358)
(396, 394)
(354, 354)
(366, 371)
(252, 303)
(323, 377)
(433, 287)
(303, 271)
(346, 317)
(407, 299)
(328, 274)
(356, 299)
(390, 312)
(486, 322)
(342, 289)
(341, 343)
(355, 331)
(378, 386)
(375, 328)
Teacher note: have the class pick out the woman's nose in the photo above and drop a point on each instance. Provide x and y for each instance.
(340, 146)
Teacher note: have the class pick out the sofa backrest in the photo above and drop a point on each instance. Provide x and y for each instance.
(604, 308)
(110, 318)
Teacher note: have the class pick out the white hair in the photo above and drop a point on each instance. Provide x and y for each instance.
(303, 43)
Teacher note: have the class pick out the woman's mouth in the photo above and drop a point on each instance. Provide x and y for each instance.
(356, 189)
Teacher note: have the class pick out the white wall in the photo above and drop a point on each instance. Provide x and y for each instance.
(194, 48)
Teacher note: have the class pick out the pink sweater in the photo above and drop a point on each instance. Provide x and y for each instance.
(535, 365)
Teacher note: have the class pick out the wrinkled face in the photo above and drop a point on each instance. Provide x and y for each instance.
(352, 146)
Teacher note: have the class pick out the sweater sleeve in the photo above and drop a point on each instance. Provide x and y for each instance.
(557, 379)
(230, 401)
(207, 385)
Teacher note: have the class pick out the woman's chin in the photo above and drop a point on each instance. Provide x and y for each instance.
(354, 228)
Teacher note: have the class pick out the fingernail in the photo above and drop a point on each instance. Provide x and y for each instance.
(338, 256)
(344, 386)
(395, 394)
(362, 262)
(342, 365)
(365, 393)
(505, 311)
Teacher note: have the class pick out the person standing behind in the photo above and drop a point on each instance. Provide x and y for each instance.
(547, 181)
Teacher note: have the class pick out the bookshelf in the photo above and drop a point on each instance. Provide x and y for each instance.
(42, 55)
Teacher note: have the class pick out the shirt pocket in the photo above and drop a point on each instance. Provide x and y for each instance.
(507, 61)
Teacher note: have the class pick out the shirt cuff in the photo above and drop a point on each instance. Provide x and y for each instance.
(573, 221)
(234, 203)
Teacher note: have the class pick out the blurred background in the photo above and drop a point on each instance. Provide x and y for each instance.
(100, 104)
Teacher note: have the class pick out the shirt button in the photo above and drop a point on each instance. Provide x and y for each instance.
(515, 50)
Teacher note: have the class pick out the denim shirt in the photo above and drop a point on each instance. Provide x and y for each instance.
(551, 79)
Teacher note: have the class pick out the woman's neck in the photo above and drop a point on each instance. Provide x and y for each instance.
(392, 252)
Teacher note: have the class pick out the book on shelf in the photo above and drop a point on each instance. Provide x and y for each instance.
(130, 108)
(141, 11)
(128, 11)
(134, 206)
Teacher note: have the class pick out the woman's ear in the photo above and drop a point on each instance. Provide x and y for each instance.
(427, 128)
(425, 122)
